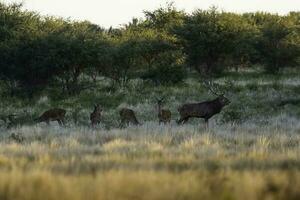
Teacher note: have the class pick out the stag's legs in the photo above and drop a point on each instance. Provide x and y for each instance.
(180, 121)
(123, 123)
(165, 122)
(95, 123)
(126, 122)
(9, 125)
(183, 120)
(206, 124)
(136, 123)
(63, 122)
(59, 122)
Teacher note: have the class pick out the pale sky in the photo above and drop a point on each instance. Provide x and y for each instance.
(108, 13)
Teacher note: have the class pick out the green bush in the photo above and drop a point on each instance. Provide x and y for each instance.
(165, 75)
(233, 114)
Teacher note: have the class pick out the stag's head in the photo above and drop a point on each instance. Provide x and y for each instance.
(97, 108)
(223, 100)
(214, 89)
(159, 101)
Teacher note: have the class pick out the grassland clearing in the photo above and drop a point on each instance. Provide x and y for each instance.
(251, 151)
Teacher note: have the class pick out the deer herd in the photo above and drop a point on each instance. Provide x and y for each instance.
(206, 110)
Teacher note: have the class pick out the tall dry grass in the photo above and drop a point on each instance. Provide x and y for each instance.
(150, 162)
(149, 185)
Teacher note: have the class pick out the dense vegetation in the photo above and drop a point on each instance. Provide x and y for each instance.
(40, 53)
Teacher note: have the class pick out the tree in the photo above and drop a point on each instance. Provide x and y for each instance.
(207, 37)
(241, 49)
(279, 44)
(37, 52)
(76, 50)
(163, 19)
(19, 49)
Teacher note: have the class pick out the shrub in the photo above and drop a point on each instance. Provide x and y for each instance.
(165, 75)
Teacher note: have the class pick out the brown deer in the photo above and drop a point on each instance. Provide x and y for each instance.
(55, 114)
(164, 116)
(205, 109)
(95, 116)
(128, 116)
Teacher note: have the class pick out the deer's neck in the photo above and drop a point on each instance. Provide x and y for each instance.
(217, 104)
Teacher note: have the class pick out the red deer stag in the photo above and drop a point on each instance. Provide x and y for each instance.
(55, 114)
(205, 109)
(164, 116)
(128, 117)
(95, 116)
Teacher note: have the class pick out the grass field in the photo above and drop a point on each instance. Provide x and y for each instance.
(251, 151)
(150, 162)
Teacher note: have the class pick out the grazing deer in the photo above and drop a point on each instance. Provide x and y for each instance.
(95, 116)
(164, 116)
(20, 119)
(128, 116)
(205, 109)
(55, 114)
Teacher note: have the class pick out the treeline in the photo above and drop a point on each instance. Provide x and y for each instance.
(38, 52)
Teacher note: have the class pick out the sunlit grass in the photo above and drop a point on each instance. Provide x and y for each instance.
(114, 185)
(150, 162)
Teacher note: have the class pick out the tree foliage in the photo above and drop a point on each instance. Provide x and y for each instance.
(279, 44)
(38, 52)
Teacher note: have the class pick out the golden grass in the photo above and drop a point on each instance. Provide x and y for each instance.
(121, 165)
(148, 185)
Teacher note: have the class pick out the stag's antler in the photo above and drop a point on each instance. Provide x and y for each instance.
(160, 99)
(208, 84)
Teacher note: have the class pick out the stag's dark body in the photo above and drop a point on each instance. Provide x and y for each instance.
(205, 109)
